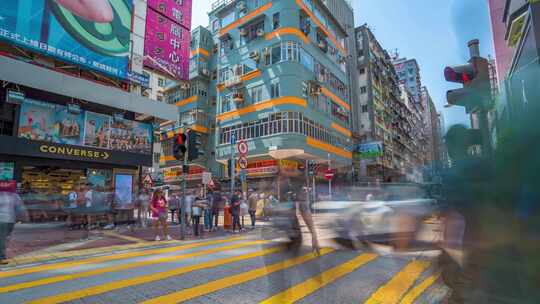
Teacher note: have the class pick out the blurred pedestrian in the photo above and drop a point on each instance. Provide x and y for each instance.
(196, 211)
(143, 202)
(236, 200)
(216, 206)
(208, 211)
(11, 207)
(159, 213)
(174, 205)
(252, 204)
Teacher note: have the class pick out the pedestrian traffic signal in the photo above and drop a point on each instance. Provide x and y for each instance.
(194, 145)
(312, 167)
(179, 147)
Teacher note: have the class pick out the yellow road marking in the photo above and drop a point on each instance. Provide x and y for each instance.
(417, 291)
(16, 272)
(203, 289)
(391, 292)
(124, 237)
(61, 278)
(91, 291)
(31, 258)
(305, 288)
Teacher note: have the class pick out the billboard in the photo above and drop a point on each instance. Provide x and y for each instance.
(369, 150)
(54, 123)
(92, 34)
(131, 136)
(177, 11)
(166, 46)
(50, 122)
(97, 130)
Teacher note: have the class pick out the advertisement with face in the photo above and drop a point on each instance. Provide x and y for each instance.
(91, 33)
(97, 130)
(177, 11)
(49, 122)
(131, 136)
(166, 46)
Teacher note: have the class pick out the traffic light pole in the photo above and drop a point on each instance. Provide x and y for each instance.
(232, 171)
(184, 187)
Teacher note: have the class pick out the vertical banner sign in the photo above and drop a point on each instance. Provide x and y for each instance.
(92, 34)
(177, 11)
(167, 38)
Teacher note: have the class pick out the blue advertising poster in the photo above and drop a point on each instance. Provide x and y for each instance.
(369, 150)
(91, 33)
(123, 190)
(50, 122)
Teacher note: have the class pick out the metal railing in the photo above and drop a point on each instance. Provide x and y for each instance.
(221, 3)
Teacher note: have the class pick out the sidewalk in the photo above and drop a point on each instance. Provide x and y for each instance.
(36, 242)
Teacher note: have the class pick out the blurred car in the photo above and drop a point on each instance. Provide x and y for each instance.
(389, 214)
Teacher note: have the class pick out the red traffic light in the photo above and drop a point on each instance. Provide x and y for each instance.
(461, 74)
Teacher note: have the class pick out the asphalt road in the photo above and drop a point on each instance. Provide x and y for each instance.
(241, 268)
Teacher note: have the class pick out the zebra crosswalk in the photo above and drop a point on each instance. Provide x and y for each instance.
(223, 270)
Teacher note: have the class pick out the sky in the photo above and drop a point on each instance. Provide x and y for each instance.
(435, 33)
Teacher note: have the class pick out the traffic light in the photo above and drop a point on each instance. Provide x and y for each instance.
(476, 92)
(194, 145)
(475, 96)
(179, 147)
(311, 167)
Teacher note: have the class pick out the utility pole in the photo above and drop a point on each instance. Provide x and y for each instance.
(330, 180)
(185, 172)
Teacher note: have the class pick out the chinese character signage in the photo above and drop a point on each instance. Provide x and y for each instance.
(92, 34)
(369, 150)
(54, 123)
(166, 46)
(178, 11)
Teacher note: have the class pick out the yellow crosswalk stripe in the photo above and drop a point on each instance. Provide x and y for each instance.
(393, 290)
(121, 267)
(34, 258)
(226, 282)
(417, 291)
(55, 266)
(305, 288)
(100, 289)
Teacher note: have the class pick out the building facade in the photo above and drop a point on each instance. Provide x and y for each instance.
(72, 116)
(408, 72)
(274, 75)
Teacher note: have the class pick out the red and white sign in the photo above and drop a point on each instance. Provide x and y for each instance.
(242, 148)
(329, 174)
(243, 162)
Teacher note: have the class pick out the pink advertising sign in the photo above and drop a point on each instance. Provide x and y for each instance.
(178, 11)
(166, 46)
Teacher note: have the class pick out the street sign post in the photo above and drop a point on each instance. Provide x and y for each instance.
(232, 169)
(243, 162)
(329, 174)
(242, 148)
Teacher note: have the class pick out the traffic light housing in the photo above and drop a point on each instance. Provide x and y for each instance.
(311, 167)
(194, 145)
(179, 146)
(476, 91)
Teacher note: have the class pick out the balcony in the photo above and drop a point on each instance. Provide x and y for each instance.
(233, 81)
(221, 4)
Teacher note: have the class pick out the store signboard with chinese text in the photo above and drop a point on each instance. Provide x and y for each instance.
(176, 10)
(91, 34)
(166, 46)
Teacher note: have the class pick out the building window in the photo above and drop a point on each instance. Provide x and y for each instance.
(274, 90)
(276, 54)
(228, 19)
(256, 94)
(363, 90)
(364, 108)
(225, 46)
(161, 82)
(226, 103)
(275, 21)
(290, 51)
(253, 31)
(157, 157)
(215, 25)
(362, 71)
